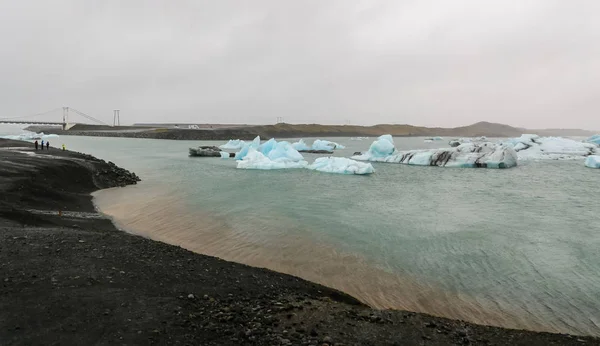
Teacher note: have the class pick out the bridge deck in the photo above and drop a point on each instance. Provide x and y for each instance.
(30, 122)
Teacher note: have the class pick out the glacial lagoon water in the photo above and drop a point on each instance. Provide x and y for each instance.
(517, 248)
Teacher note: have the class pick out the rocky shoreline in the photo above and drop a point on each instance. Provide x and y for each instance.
(68, 276)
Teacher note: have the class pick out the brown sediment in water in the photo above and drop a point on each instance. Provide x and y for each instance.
(157, 214)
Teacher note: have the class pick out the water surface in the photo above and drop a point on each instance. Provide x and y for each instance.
(516, 248)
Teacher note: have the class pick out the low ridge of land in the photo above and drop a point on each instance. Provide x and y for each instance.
(68, 276)
(283, 130)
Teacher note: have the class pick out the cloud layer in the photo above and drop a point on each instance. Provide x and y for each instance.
(533, 63)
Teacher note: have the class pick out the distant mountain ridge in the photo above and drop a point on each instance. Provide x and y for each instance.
(284, 130)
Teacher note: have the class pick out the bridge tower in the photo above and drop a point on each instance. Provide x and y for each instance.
(65, 124)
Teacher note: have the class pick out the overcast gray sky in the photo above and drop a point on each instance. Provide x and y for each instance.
(529, 63)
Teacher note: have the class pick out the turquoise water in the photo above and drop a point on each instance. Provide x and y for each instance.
(515, 248)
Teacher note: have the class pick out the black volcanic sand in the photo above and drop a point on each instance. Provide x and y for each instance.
(76, 279)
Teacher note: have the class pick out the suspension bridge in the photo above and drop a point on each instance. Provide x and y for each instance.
(48, 118)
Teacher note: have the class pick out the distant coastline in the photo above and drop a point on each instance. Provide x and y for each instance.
(283, 130)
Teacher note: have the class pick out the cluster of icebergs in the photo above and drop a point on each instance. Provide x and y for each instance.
(30, 136)
(282, 155)
(464, 152)
(318, 145)
(534, 147)
(470, 155)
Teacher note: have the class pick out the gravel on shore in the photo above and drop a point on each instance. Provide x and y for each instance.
(68, 276)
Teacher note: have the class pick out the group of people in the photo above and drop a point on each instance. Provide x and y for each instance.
(47, 145)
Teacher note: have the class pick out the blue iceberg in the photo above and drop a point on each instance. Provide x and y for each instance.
(247, 146)
(341, 165)
(270, 155)
(594, 139)
(256, 160)
(233, 144)
(383, 146)
(301, 146)
(592, 161)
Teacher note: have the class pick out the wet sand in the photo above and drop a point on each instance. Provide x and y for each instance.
(76, 279)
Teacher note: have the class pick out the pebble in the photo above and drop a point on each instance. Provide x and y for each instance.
(191, 296)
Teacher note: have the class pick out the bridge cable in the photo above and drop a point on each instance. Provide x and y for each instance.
(32, 115)
(89, 117)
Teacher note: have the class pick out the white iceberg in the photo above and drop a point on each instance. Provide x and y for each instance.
(534, 147)
(233, 144)
(432, 139)
(341, 165)
(256, 160)
(320, 144)
(592, 161)
(300, 145)
(468, 155)
(224, 155)
(594, 139)
(456, 142)
(246, 147)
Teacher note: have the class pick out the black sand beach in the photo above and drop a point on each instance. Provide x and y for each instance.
(74, 278)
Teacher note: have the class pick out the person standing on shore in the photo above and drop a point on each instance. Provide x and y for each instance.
(42, 144)
(36, 145)
(64, 148)
(47, 145)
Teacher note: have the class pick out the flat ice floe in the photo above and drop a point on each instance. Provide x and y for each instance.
(467, 155)
(30, 136)
(592, 161)
(300, 145)
(534, 147)
(341, 165)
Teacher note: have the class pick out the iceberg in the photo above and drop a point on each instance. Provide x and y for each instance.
(383, 146)
(458, 141)
(341, 165)
(432, 139)
(233, 144)
(300, 146)
(467, 155)
(270, 155)
(225, 155)
(256, 160)
(592, 161)
(594, 139)
(30, 136)
(320, 144)
(534, 147)
(246, 147)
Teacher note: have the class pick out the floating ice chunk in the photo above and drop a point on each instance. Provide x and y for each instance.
(358, 138)
(284, 150)
(320, 144)
(534, 147)
(224, 155)
(594, 139)
(301, 146)
(456, 142)
(341, 165)
(468, 155)
(256, 160)
(383, 146)
(592, 161)
(244, 150)
(233, 144)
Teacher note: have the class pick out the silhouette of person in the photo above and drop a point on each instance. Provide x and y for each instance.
(36, 145)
